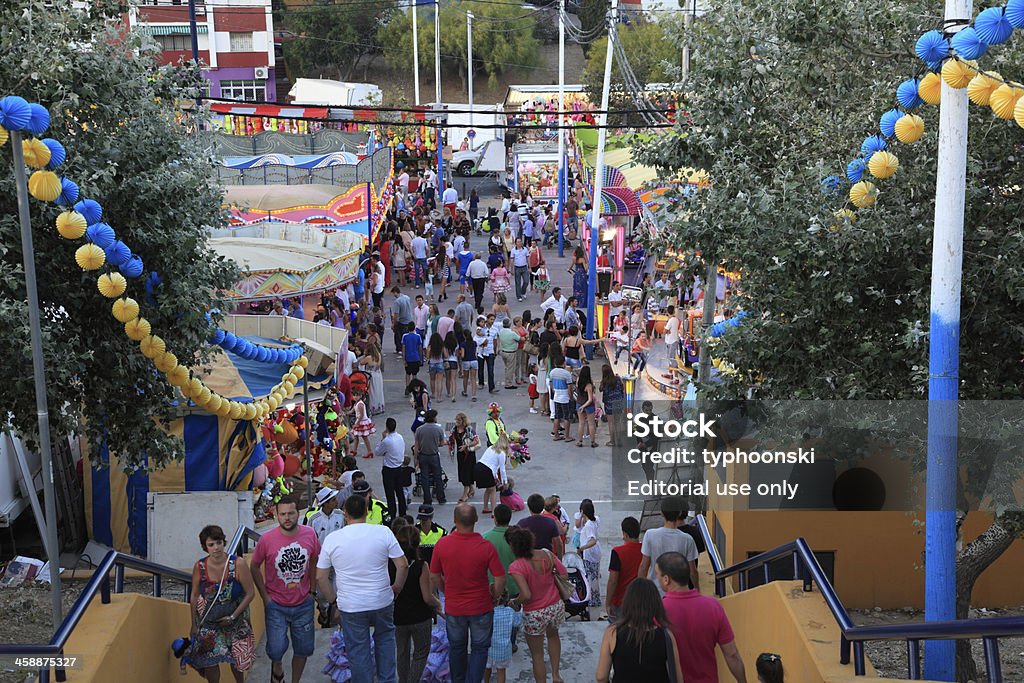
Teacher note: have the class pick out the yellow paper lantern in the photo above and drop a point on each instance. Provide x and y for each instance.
(1004, 98)
(883, 164)
(909, 128)
(272, 403)
(90, 257)
(215, 403)
(863, 194)
(166, 361)
(845, 216)
(137, 329)
(288, 388)
(178, 376)
(981, 87)
(71, 225)
(292, 378)
(1018, 112)
(44, 186)
(302, 362)
(202, 399)
(929, 88)
(298, 372)
(152, 347)
(225, 408)
(125, 309)
(958, 73)
(194, 386)
(112, 285)
(3, 136)
(249, 412)
(37, 155)
(236, 410)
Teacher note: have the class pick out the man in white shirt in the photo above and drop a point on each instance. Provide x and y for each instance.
(450, 199)
(478, 274)
(429, 187)
(557, 303)
(403, 183)
(349, 362)
(326, 517)
(485, 338)
(359, 555)
(671, 333)
(521, 267)
(419, 255)
(419, 316)
(392, 448)
(615, 305)
(378, 274)
(457, 244)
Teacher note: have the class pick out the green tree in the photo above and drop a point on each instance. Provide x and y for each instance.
(592, 15)
(650, 57)
(503, 39)
(780, 96)
(114, 109)
(332, 38)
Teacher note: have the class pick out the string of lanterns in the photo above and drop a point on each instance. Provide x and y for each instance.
(948, 59)
(83, 218)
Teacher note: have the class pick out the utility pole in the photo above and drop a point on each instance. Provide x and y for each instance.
(469, 68)
(50, 539)
(602, 136)
(562, 170)
(437, 97)
(194, 33)
(944, 367)
(416, 50)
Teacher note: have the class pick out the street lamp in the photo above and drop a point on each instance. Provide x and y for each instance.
(629, 384)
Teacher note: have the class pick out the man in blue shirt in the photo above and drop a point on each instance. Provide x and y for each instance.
(412, 347)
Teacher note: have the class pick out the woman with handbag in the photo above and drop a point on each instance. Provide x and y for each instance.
(588, 527)
(462, 444)
(491, 472)
(222, 589)
(639, 646)
(537, 574)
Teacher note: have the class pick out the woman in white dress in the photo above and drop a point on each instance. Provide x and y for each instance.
(588, 526)
(370, 364)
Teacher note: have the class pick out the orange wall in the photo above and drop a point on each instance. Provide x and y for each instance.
(879, 556)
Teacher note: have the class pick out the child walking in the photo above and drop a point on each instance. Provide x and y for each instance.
(363, 427)
(541, 282)
(506, 621)
(532, 389)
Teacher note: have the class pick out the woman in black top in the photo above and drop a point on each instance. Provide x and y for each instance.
(414, 609)
(462, 444)
(639, 646)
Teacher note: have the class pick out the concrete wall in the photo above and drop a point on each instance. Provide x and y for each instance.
(130, 640)
(879, 556)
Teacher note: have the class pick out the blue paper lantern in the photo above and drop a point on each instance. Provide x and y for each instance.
(932, 47)
(935, 66)
(279, 356)
(100, 234)
(242, 348)
(229, 342)
(887, 124)
(68, 192)
(118, 253)
(1015, 13)
(57, 153)
(831, 185)
(906, 94)
(132, 267)
(262, 354)
(872, 144)
(855, 170)
(152, 282)
(968, 44)
(15, 113)
(218, 337)
(992, 26)
(39, 119)
(90, 209)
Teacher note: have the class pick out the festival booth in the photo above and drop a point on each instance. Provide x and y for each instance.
(218, 453)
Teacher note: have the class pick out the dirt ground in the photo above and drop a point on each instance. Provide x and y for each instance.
(890, 657)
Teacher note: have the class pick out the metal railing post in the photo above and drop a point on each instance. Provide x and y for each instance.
(914, 660)
(743, 581)
(157, 587)
(105, 589)
(858, 658)
(119, 578)
(844, 650)
(993, 667)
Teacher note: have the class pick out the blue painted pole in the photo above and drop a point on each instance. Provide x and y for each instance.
(944, 370)
(561, 209)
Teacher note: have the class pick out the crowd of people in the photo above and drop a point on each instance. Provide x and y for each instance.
(414, 601)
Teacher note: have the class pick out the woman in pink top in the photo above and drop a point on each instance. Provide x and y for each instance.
(500, 280)
(543, 610)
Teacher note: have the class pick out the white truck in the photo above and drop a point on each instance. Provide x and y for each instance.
(488, 158)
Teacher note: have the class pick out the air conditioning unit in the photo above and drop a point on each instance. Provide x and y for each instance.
(261, 72)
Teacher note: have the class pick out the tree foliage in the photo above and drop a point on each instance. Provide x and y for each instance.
(503, 39)
(331, 38)
(651, 58)
(114, 109)
(592, 15)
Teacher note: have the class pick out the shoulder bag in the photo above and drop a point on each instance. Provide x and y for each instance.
(566, 589)
(673, 675)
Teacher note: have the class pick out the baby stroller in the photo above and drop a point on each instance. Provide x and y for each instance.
(417, 489)
(578, 604)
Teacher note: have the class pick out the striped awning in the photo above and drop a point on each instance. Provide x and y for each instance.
(170, 30)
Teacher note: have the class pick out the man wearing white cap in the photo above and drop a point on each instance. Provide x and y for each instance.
(326, 517)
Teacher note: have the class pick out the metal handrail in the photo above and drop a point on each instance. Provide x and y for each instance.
(99, 582)
(807, 567)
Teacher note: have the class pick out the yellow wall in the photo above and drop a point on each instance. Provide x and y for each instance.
(879, 556)
(130, 639)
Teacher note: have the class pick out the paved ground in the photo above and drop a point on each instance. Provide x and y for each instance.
(556, 468)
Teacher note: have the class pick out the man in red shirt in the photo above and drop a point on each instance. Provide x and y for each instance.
(698, 624)
(459, 568)
(623, 565)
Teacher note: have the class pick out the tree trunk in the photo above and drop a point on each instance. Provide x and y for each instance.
(970, 563)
